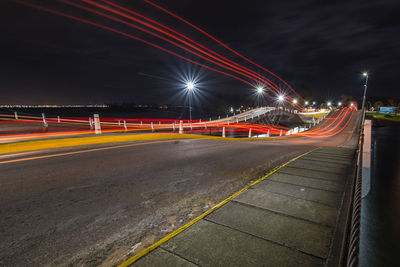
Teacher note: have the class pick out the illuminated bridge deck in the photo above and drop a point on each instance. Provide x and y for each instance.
(296, 217)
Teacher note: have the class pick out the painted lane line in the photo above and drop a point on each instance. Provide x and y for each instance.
(83, 151)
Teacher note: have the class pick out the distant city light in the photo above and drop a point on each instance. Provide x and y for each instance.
(55, 106)
(313, 103)
(365, 74)
(260, 89)
(329, 104)
(306, 102)
(281, 98)
(294, 101)
(340, 103)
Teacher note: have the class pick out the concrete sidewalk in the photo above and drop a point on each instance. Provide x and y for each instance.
(293, 218)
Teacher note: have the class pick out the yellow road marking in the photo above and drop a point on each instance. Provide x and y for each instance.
(83, 151)
(179, 230)
(79, 141)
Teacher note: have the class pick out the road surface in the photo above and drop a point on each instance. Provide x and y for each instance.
(98, 207)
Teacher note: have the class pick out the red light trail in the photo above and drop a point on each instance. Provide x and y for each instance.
(237, 66)
(332, 125)
(221, 43)
(216, 59)
(223, 65)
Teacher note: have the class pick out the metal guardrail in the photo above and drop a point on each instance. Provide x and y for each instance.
(353, 244)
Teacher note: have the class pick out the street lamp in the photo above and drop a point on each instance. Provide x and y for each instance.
(329, 104)
(294, 101)
(280, 98)
(340, 103)
(260, 91)
(365, 74)
(190, 86)
(306, 103)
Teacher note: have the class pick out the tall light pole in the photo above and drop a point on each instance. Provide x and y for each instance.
(365, 74)
(260, 92)
(190, 87)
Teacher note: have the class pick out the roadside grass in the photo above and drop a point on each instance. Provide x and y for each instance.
(388, 117)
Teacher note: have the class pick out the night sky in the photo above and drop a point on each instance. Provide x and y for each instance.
(325, 45)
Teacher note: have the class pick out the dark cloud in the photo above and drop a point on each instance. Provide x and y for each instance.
(322, 44)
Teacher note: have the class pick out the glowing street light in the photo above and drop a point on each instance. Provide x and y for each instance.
(306, 103)
(260, 91)
(190, 86)
(313, 103)
(329, 104)
(294, 101)
(340, 103)
(280, 98)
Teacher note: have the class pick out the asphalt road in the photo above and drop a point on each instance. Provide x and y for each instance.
(99, 207)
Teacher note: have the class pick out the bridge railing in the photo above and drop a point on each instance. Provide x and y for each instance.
(351, 249)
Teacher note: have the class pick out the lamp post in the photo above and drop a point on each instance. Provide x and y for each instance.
(281, 98)
(190, 87)
(365, 74)
(260, 92)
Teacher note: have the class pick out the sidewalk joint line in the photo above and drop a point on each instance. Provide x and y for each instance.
(178, 255)
(264, 239)
(282, 214)
(134, 258)
(338, 174)
(306, 186)
(287, 195)
(329, 162)
(308, 177)
(315, 178)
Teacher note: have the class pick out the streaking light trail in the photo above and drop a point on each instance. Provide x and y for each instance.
(170, 36)
(219, 42)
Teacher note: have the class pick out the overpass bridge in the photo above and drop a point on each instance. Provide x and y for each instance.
(18, 127)
(265, 115)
